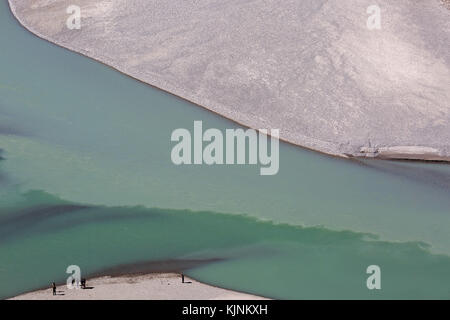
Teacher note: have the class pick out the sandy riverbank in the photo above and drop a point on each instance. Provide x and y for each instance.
(154, 286)
(313, 71)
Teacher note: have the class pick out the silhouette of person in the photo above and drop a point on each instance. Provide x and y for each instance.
(182, 278)
(54, 288)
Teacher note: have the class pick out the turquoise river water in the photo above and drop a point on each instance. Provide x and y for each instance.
(86, 179)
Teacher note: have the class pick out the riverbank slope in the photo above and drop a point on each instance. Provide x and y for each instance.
(311, 69)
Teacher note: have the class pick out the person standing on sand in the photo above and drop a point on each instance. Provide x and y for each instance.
(54, 288)
(182, 278)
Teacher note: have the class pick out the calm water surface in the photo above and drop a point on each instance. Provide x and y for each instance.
(86, 179)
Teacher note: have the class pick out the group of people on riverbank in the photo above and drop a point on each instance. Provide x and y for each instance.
(82, 285)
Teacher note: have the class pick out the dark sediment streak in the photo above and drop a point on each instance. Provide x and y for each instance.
(21, 221)
(9, 131)
(2, 175)
(145, 267)
(46, 217)
(423, 175)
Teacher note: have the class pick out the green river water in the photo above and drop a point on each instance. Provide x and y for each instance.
(86, 179)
